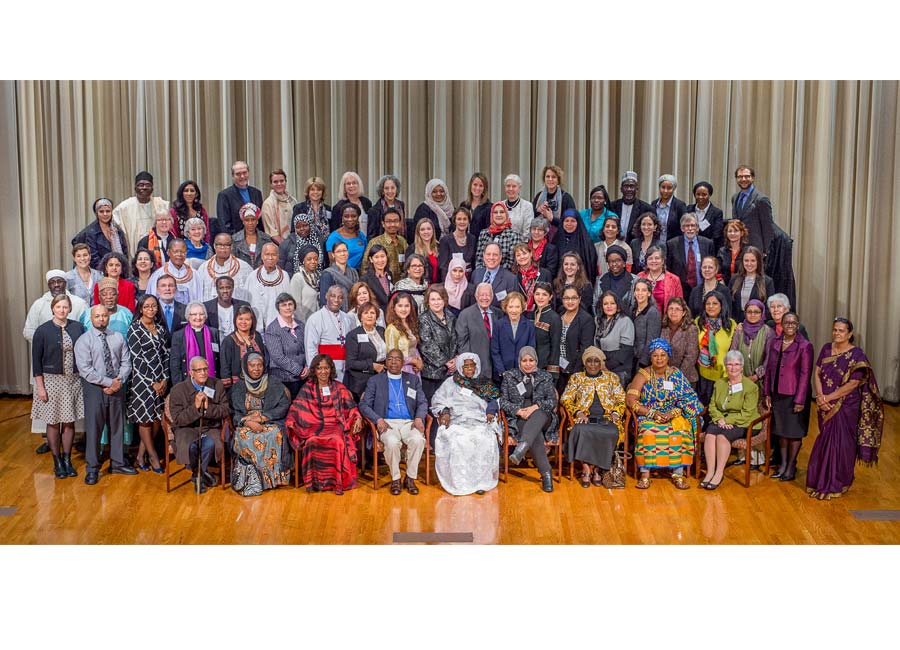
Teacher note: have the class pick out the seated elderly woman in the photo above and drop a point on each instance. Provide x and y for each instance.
(259, 404)
(733, 407)
(466, 453)
(595, 401)
(665, 406)
(324, 424)
(528, 399)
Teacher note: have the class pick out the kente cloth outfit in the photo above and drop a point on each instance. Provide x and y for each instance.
(851, 431)
(319, 424)
(467, 457)
(267, 450)
(668, 445)
(599, 396)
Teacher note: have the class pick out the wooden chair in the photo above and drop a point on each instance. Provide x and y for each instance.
(170, 442)
(377, 447)
(752, 439)
(511, 442)
(631, 435)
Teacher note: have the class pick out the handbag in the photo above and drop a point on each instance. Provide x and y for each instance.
(245, 479)
(614, 479)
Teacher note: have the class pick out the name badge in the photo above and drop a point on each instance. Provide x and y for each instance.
(362, 338)
(210, 392)
(563, 363)
(704, 224)
(326, 391)
(411, 393)
(501, 295)
(215, 347)
(252, 248)
(668, 385)
(401, 258)
(736, 388)
(521, 388)
(466, 391)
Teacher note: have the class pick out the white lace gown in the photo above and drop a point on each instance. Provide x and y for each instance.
(467, 456)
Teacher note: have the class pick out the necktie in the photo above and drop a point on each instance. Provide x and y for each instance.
(107, 356)
(740, 202)
(691, 266)
(168, 311)
(487, 323)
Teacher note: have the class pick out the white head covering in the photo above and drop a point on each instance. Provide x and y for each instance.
(443, 210)
(463, 357)
(54, 273)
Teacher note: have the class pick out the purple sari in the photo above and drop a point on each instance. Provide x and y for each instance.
(851, 430)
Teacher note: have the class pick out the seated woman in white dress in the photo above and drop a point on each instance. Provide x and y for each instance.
(467, 457)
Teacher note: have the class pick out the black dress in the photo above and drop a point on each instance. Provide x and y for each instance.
(593, 443)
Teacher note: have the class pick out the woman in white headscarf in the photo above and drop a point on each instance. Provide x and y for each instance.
(467, 456)
(437, 207)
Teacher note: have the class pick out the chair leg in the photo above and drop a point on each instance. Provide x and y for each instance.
(374, 464)
(296, 468)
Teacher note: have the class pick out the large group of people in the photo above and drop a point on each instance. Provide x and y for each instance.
(333, 330)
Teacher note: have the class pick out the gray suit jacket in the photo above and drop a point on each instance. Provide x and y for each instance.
(472, 336)
(756, 213)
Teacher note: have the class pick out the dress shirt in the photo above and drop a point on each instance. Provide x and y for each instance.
(89, 357)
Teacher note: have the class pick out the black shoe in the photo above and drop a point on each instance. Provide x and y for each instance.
(778, 473)
(209, 480)
(547, 482)
(518, 454)
(59, 468)
(789, 475)
(479, 491)
(199, 486)
(67, 463)
(91, 478)
(124, 469)
(43, 449)
(739, 462)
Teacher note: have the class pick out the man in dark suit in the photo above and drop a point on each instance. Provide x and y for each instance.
(501, 280)
(230, 200)
(395, 402)
(220, 310)
(475, 325)
(172, 310)
(753, 208)
(198, 400)
(630, 207)
(686, 252)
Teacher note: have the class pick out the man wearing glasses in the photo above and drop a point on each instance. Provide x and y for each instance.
(753, 208)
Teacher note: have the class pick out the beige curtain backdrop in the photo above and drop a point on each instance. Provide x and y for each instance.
(826, 152)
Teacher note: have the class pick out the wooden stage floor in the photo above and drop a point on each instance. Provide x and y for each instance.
(36, 508)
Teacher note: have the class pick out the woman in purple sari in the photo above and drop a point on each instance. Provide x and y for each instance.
(851, 415)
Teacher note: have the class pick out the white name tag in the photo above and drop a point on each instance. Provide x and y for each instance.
(668, 385)
(466, 391)
(411, 393)
(736, 388)
(362, 338)
(326, 391)
(501, 295)
(563, 363)
(521, 388)
(704, 224)
(215, 347)
(252, 248)
(401, 258)
(210, 392)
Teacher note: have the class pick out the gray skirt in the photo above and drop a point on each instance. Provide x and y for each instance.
(593, 444)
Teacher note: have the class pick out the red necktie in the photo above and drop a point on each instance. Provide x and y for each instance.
(487, 323)
(691, 266)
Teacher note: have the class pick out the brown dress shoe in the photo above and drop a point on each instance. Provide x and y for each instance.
(411, 485)
(395, 487)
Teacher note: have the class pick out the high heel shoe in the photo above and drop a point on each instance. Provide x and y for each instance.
(158, 470)
(789, 475)
(518, 454)
(778, 473)
(713, 486)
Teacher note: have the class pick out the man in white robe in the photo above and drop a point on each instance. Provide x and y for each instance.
(224, 263)
(137, 214)
(327, 329)
(189, 288)
(264, 285)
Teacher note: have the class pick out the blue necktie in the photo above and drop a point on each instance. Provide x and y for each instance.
(168, 311)
(741, 199)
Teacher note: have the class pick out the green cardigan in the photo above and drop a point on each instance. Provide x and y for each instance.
(739, 409)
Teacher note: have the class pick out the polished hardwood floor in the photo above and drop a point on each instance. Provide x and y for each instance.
(137, 510)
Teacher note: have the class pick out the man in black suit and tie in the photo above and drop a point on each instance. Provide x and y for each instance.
(630, 207)
(220, 310)
(230, 200)
(753, 208)
(172, 310)
(686, 251)
(395, 402)
(501, 280)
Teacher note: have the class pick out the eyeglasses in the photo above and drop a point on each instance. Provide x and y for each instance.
(203, 369)
(752, 311)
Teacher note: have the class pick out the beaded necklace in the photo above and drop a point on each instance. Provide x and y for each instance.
(269, 283)
(233, 267)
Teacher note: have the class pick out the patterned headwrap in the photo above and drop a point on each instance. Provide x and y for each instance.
(99, 203)
(483, 388)
(660, 344)
(312, 239)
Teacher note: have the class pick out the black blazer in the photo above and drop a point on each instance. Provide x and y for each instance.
(756, 214)
(179, 320)
(46, 347)
(228, 208)
(725, 263)
(336, 218)
(547, 337)
(636, 266)
(716, 219)
(93, 236)
(468, 299)
(212, 311)
(639, 208)
(374, 227)
(230, 356)
(178, 356)
(360, 357)
(737, 314)
(374, 404)
(550, 259)
(375, 287)
(481, 218)
(676, 262)
(677, 208)
(579, 338)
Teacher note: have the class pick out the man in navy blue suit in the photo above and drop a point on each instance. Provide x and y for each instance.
(395, 402)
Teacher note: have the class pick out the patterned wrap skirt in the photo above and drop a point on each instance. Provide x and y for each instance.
(668, 445)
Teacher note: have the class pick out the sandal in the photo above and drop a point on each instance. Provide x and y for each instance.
(680, 482)
(643, 483)
(597, 479)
